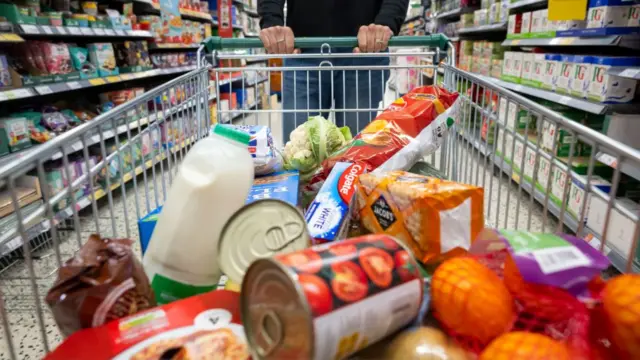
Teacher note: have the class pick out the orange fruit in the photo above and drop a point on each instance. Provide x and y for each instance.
(471, 300)
(621, 302)
(520, 345)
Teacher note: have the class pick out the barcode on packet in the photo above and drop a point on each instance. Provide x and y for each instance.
(557, 259)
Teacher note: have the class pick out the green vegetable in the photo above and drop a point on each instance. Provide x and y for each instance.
(312, 142)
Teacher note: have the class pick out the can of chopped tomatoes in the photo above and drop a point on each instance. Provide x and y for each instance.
(330, 300)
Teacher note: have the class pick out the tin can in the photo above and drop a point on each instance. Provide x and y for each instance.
(258, 230)
(330, 300)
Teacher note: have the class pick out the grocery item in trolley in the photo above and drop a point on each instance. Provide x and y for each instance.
(283, 185)
(104, 281)
(329, 214)
(213, 182)
(559, 260)
(417, 343)
(431, 216)
(260, 229)
(311, 143)
(225, 284)
(265, 157)
(331, 300)
(415, 110)
(206, 326)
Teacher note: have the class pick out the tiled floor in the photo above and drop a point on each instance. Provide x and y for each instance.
(512, 210)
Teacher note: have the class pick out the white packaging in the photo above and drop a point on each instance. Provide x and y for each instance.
(580, 81)
(511, 25)
(551, 71)
(538, 70)
(633, 16)
(526, 23)
(542, 179)
(614, 89)
(608, 16)
(539, 21)
(507, 63)
(183, 251)
(577, 192)
(528, 60)
(565, 75)
(517, 65)
(558, 182)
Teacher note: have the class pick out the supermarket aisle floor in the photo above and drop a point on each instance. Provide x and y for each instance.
(511, 211)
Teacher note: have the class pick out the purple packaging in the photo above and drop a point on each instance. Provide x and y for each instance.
(328, 215)
(559, 260)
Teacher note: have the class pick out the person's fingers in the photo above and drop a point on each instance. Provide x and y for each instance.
(281, 40)
(296, 51)
(362, 38)
(371, 38)
(380, 43)
(264, 37)
(386, 36)
(289, 40)
(273, 45)
(356, 50)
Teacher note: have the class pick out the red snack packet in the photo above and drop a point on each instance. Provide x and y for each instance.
(417, 109)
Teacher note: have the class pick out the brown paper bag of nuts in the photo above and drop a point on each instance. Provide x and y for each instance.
(102, 282)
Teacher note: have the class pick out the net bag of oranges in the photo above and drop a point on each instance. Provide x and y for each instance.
(520, 295)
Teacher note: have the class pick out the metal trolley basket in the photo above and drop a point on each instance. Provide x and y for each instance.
(118, 167)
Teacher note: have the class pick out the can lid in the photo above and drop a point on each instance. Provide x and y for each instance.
(259, 230)
(232, 134)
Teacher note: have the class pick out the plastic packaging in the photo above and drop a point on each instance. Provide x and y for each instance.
(213, 182)
(266, 159)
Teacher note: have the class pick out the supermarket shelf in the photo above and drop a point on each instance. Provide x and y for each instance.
(570, 221)
(455, 13)
(625, 167)
(230, 116)
(631, 73)
(528, 5)
(454, 38)
(171, 46)
(592, 107)
(26, 30)
(195, 15)
(500, 27)
(10, 242)
(39, 90)
(10, 38)
(608, 41)
(617, 260)
(413, 18)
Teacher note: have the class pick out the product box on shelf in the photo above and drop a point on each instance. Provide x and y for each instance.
(103, 57)
(609, 14)
(28, 191)
(580, 81)
(541, 26)
(525, 27)
(608, 88)
(516, 71)
(480, 17)
(533, 63)
(578, 193)
(565, 75)
(514, 26)
(16, 132)
(551, 71)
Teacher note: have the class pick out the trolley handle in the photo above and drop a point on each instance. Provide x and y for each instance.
(218, 43)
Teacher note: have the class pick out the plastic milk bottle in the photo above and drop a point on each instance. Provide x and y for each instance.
(213, 182)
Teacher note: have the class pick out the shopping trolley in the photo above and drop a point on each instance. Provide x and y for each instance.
(118, 167)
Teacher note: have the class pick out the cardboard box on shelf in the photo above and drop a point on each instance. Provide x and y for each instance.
(27, 190)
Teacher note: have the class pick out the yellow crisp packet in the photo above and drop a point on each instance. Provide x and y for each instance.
(430, 215)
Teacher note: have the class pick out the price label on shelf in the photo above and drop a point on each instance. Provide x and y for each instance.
(74, 85)
(47, 30)
(113, 79)
(18, 93)
(11, 37)
(109, 32)
(61, 30)
(100, 32)
(30, 29)
(3, 96)
(120, 33)
(564, 100)
(126, 76)
(44, 90)
(631, 73)
(98, 81)
(73, 30)
(608, 160)
(86, 31)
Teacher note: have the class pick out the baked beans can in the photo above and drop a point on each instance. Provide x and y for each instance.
(260, 229)
(330, 300)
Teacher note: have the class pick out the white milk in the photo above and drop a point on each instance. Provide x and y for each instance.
(213, 182)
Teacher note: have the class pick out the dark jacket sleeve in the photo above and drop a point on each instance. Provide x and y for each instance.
(392, 14)
(271, 13)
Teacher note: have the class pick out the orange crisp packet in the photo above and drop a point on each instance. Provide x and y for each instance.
(430, 215)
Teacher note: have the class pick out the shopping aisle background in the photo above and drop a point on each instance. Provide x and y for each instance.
(510, 206)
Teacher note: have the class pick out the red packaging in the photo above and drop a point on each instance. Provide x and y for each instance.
(198, 327)
(417, 109)
(233, 100)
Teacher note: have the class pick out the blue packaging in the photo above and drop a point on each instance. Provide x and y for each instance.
(281, 185)
(146, 226)
(328, 215)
